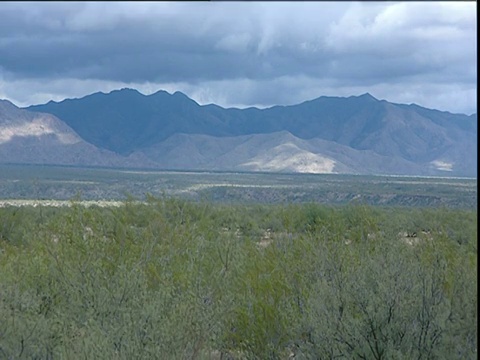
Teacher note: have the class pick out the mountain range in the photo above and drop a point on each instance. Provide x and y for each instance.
(356, 134)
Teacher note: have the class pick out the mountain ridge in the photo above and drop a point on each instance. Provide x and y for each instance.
(419, 140)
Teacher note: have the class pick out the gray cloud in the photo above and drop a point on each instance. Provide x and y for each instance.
(242, 53)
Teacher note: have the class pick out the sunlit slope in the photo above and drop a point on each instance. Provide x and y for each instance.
(38, 138)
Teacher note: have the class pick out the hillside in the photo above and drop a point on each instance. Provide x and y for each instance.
(37, 138)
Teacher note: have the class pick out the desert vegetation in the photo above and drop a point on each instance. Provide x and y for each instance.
(176, 279)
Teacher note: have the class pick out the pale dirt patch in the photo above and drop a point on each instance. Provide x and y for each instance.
(266, 239)
(60, 203)
(414, 238)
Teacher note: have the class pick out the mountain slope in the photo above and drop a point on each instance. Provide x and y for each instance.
(278, 152)
(34, 138)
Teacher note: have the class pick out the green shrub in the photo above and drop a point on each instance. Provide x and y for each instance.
(183, 280)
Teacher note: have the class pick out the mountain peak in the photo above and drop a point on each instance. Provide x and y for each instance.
(126, 91)
(6, 104)
(179, 93)
(367, 95)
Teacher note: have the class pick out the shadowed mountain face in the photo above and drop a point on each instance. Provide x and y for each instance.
(125, 120)
(330, 134)
(38, 138)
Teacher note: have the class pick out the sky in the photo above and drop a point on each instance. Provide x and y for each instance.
(241, 54)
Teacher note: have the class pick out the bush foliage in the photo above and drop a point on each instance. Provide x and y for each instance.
(182, 280)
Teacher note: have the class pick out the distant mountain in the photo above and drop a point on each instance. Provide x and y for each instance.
(357, 134)
(125, 120)
(276, 152)
(34, 138)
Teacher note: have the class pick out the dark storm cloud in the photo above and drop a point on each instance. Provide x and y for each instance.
(243, 53)
(121, 46)
(165, 45)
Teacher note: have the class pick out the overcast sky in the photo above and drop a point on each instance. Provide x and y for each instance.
(242, 54)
